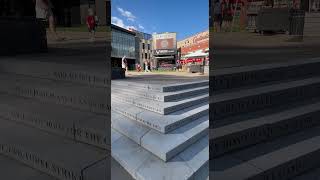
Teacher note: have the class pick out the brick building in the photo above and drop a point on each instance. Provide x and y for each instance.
(194, 43)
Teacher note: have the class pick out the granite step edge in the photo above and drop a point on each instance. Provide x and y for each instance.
(21, 148)
(296, 156)
(161, 123)
(164, 146)
(163, 108)
(162, 97)
(265, 128)
(73, 129)
(142, 165)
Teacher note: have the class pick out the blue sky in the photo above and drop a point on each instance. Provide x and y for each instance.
(186, 17)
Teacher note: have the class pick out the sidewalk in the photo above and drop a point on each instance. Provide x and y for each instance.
(255, 40)
(165, 73)
(75, 37)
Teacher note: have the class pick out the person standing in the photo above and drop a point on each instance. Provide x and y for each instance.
(44, 12)
(146, 66)
(150, 65)
(91, 23)
(217, 15)
(124, 64)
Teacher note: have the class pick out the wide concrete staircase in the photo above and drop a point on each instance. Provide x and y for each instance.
(265, 122)
(161, 131)
(54, 121)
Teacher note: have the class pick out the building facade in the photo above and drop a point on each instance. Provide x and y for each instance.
(197, 42)
(123, 43)
(143, 47)
(164, 50)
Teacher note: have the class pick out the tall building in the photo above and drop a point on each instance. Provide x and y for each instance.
(123, 43)
(143, 47)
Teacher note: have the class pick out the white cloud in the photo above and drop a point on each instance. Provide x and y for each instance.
(117, 21)
(131, 27)
(127, 14)
(141, 27)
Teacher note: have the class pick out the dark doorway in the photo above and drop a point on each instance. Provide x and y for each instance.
(66, 12)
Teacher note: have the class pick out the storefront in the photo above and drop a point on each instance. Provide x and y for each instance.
(164, 50)
(164, 59)
(123, 44)
(194, 61)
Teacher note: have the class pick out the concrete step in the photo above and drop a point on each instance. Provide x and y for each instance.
(163, 108)
(158, 96)
(236, 77)
(70, 95)
(312, 26)
(164, 146)
(14, 170)
(84, 127)
(254, 99)
(242, 134)
(312, 15)
(118, 172)
(85, 75)
(310, 175)
(192, 163)
(161, 123)
(283, 158)
(162, 86)
(53, 155)
(312, 20)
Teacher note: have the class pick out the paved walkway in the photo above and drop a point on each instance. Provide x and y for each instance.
(255, 40)
(75, 37)
(163, 78)
(242, 49)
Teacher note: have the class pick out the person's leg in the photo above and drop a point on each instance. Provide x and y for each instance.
(93, 33)
(230, 24)
(217, 25)
(52, 26)
(223, 25)
(220, 22)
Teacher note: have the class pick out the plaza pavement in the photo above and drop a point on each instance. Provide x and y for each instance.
(75, 37)
(243, 48)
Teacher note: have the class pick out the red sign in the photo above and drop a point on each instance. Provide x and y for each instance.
(191, 60)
